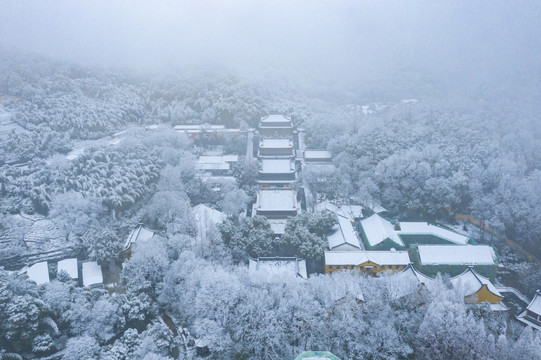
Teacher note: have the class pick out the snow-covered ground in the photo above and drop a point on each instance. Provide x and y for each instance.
(79, 147)
(7, 124)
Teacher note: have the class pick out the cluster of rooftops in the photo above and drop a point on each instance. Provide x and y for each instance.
(87, 273)
(355, 240)
(413, 252)
(281, 154)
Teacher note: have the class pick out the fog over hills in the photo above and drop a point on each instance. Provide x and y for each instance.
(456, 43)
(270, 180)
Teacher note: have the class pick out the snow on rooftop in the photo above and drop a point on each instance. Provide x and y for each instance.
(352, 212)
(275, 118)
(139, 234)
(212, 166)
(206, 218)
(535, 304)
(457, 255)
(327, 205)
(202, 213)
(378, 209)
(69, 266)
(406, 282)
(359, 257)
(316, 355)
(214, 162)
(210, 159)
(343, 233)
(198, 127)
(424, 228)
(230, 157)
(277, 166)
(270, 269)
(276, 143)
(39, 273)
(317, 154)
(92, 273)
(377, 229)
(526, 320)
(284, 199)
(470, 282)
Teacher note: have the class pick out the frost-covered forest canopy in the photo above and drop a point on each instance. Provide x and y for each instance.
(429, 110)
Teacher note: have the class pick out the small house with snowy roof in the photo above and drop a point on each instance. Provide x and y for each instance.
(92, 274)
(478, 289)
(277, 172)
(532, 315)
(317, 156)
(39, 273)
(379, 233)
(454, 260)
(275, 125)
(206, 218)
(424, 233)
(138, 235)
(316, 355)
(276, 203)
(368, 262)
(70, 267)
(282, 147)
(343, 236)
(406, 282)
(277, 268)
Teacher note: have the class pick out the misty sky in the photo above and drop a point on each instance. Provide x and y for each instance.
(335, 38)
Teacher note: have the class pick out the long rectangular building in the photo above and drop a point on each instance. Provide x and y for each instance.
(369, 262)
(277, 171)
(276, 204)
(276, 147)
(275, 125)
(455, 259)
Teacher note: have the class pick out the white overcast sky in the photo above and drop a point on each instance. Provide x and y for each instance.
(333, 37)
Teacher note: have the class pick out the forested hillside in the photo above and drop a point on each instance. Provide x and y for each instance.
(92, 153)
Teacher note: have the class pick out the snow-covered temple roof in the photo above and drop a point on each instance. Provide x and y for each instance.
(470, 282)
(69, 266)
(276, 143)
(424, 228)
(355, 258)
(406, 282)
(321, 155)
(377, 229)
(139, 234)
(316, 355)
(532, 314)
(275, 121)
(283, 199)
(342, 234)
(277, 268)
(275, 118)
(277, 166)
(456, 255)
(349, 211)
(92, 274)
(39, 273)
(535, 304)
(206, 217)
(214, 162)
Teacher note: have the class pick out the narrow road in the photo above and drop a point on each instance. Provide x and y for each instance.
(250, 146)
